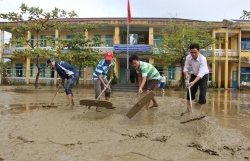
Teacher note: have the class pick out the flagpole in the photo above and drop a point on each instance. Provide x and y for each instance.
(128, 42)
(128, 74)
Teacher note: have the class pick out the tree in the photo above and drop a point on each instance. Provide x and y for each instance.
(175, 41)
(246, 15)
(39, 21)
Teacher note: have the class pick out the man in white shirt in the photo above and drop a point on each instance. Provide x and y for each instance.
(197, 63)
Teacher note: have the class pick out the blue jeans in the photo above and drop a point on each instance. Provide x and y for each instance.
(70, 82)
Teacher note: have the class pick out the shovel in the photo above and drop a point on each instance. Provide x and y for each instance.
(97, 102)
(52, 100)
(192, 116)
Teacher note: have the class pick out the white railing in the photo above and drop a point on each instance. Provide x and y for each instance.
(100, 50)
(217, 52)
(221, 52)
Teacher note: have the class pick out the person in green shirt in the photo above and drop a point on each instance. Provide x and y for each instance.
(146, 71)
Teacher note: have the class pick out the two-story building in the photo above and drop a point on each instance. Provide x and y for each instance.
(232, 57)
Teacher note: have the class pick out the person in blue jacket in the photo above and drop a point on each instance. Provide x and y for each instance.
(65, 71)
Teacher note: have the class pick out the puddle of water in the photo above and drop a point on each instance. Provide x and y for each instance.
(230, 107)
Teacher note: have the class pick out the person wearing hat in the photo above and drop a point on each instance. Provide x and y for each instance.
(100, 76)
(65, 71)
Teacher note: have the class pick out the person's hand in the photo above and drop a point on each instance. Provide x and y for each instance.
(111, 77)
(190, 84)
(140, 90)
(105, 85)
(60, 85)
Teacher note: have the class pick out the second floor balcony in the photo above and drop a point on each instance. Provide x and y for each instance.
(217, 52)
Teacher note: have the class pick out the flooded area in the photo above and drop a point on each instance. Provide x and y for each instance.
(28, 131)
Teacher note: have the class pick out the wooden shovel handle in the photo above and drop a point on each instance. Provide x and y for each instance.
(103, 89)
(54, 95)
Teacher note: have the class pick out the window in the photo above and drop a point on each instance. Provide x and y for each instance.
(157, 40)
(18, 70)
(245, 43)
(43, 41)
(81, 72)
(31, 70)
(69, 37)
(99, 40)
(18, 44)
(109, 40)
(42, 70)
(171, 73)
(245, 74)
(32, 41)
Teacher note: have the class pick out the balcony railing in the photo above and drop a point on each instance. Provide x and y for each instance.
(100, 50)
(217, 52)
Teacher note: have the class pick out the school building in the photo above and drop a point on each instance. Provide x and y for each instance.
(231, 57)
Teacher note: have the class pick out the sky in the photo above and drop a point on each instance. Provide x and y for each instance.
(206, 10)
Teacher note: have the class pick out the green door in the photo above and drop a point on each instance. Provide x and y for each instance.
(123, 75)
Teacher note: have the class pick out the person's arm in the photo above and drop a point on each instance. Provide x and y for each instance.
(144, 79)
(61, 82)
(100, 78)
(111, 72)
(139, 78)
(186, 67)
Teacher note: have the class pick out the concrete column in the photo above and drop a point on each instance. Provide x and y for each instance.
(86, 34)
(116, 35)
(28, 37)
(239, 57)
(226, 61)
(2, 45)
(213, 63)
(85, 76)
(230, 75)
(151, 61)
(116, 66)
(56, 45)
(151, 35)
(219, 74)
(1, 52)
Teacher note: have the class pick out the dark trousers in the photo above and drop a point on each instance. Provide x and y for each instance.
(202, 83)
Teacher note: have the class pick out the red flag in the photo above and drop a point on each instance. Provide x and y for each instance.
(129, 13)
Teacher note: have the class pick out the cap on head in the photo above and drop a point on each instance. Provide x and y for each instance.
(50, 60)
(109, 55)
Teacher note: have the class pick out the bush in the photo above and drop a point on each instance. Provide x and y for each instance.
(168, 84)
(212, 85)
(115, 79)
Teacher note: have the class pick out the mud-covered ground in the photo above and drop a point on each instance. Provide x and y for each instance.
(30, 132)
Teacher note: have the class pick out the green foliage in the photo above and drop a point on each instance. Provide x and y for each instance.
(246, 15)
(181, 83)
(3, 65)
(123, 36)
(244, 79)
(168, 83)
(212, 84)
(115, 79)
(78, 52)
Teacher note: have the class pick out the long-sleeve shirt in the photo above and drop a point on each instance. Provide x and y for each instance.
(198, 67)
(64, 69)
